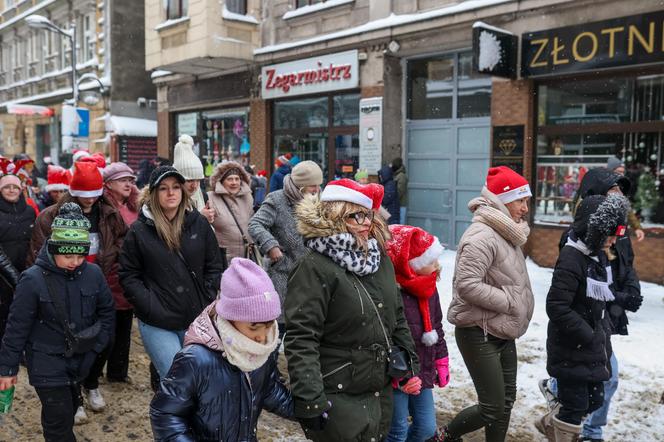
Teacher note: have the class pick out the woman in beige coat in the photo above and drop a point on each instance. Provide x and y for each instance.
(233, 204)
(492, 302)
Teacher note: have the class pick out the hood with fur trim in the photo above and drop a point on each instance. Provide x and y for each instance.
(224, 167)
(312, 224)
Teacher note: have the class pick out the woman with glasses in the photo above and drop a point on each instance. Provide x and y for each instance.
(274, 229)
(343, 313)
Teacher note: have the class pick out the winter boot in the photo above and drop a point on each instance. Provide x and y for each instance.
(545, 424)
(444, 436)
(80, 417)
(564, 431)
(95, 400)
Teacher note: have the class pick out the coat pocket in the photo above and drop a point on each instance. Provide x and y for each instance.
(338, 378)
(88, 303)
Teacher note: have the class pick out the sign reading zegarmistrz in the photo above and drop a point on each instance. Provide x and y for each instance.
(625, 41)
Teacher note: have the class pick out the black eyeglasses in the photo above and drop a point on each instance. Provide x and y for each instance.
(360, 217)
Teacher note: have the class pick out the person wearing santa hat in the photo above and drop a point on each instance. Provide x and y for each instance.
(16, 220)
(414, 254)
(492, 301)
(58, 179)
(283, 167)
(343, 315)
(107, 230)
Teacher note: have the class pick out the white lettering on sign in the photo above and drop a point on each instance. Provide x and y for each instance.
(312, 75)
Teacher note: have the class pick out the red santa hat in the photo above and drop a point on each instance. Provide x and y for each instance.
(369, 196)
(87, 181)
(412, 249)
(58, 178)
(79, 154)
(283, 159)
(506, 184)
(13, 173)
(96, 158)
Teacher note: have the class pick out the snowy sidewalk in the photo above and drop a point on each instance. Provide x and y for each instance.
(635, 414)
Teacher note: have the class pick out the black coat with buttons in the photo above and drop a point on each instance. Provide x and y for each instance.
(33, 325)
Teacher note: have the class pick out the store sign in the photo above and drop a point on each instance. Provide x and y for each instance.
(310, 76)
(494, 51)
(371, 134)
(625, 41)
(75, 128)
(187, 123)
(508, 147)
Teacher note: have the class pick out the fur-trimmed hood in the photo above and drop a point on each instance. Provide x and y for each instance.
(224, 167)
(312, 224)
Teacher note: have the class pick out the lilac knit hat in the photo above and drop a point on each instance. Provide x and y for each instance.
(247, 294)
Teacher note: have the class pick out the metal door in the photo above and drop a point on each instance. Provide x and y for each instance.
(446, 163)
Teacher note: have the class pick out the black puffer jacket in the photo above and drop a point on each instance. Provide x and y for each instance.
(158, 283)
(33, 324)
(205, 397)
(16, 223)
(7, 270)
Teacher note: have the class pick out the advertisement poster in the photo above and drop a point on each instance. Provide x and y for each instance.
(371, 134)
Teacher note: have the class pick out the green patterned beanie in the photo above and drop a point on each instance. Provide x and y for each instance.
(70, 232)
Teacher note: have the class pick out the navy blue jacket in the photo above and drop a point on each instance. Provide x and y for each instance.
(204, 397)
(33, 324)
(391, 197)
(277, 178)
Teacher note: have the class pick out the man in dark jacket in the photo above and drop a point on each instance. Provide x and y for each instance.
(283, 168)
(60, 290)
(578, 336)
(401, 178)
(391, 198)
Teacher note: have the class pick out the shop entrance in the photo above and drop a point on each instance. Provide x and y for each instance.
(446, 164)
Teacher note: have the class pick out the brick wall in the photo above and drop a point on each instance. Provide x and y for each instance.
(542, 247)
(259, 127)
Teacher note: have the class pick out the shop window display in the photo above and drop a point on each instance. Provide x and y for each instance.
(581, 124)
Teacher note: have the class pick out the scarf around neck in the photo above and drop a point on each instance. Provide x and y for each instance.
(515, 233)
(291, 191)
(343, 249)
(599, 276)
(246, 354)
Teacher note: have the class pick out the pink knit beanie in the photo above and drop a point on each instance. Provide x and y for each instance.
(247, 294)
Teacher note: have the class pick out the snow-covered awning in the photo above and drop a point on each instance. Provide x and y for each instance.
(29, 109)
(133, 127)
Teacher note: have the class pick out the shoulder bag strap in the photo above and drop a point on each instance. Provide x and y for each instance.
(244, 237)
(60, 311)
(373, 304)
(197, 283)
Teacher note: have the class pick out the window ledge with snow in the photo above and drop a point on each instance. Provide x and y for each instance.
(310, 9)
(172, 23)
(233, 16)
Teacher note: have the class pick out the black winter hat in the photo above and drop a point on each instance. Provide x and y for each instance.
(598, 181)
(162, 172)
(598, 217)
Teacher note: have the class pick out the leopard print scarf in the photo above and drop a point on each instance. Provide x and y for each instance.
(344, 251)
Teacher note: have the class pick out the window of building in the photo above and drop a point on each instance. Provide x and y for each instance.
(584, 122)
(301, 3)
(321, 129)
(176, 8)
(446, 87)
(237, 6)
(88, 38)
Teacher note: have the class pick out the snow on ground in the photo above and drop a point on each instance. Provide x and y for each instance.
(635, 413)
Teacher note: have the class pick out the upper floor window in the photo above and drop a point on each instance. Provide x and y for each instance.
(88, 38)
(237, 6)
(301, 3)
(176, 8)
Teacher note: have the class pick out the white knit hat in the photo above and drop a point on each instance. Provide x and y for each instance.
(186, 161)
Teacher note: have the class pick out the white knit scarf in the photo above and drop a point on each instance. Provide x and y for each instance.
(342, 248)
(246, 354)
(597, 285)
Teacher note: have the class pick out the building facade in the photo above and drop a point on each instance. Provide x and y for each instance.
(36, 75)
(356, 83)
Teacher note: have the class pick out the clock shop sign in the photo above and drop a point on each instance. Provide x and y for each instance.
(625, 41)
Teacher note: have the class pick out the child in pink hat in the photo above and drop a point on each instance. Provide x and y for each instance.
(227, 371)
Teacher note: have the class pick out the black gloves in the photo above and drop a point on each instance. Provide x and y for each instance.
(628, 302)
(316, 423)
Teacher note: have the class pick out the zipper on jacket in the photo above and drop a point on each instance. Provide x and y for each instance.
(251, 407)
(359, 295)
(338, 369)
(484, 327)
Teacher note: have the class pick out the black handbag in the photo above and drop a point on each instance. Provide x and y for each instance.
(75, 343)
(398, 360)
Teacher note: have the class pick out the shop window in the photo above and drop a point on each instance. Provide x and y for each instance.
(447, 88)
(224, 135)
(237, 6)
(581, 124)
(301, 3)
(321, 129)
(176, 8)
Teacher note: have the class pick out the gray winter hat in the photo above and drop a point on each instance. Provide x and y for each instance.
(614, 163)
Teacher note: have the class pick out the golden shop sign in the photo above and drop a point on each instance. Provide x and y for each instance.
(625, 41)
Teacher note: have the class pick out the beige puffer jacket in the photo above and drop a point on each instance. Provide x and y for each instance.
(491, 288)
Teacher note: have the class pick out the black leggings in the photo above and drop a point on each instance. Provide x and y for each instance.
(59, 405)
(492, 363)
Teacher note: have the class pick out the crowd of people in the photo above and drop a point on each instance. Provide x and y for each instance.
(219, 272)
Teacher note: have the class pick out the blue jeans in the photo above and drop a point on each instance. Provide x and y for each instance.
(592, 426)
(421, 408)
(402, 214)
(161, 345)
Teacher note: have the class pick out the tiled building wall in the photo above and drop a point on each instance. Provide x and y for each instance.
(259, 122)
